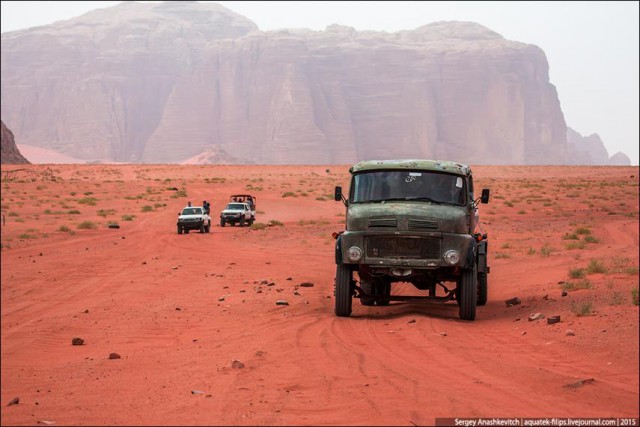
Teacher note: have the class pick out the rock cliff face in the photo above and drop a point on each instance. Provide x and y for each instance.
(170, 82)
(9, 153)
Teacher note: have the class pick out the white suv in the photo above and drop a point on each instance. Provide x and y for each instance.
(193, 218)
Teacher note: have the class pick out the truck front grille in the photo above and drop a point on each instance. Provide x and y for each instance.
(403, 247)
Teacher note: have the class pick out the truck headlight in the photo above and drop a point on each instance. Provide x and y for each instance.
(452, 257)
(354, 253)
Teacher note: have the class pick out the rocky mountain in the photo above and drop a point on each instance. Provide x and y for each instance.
(9, 153)
(186, 81)
(590, 150)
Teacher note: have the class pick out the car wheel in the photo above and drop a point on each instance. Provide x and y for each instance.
(222, 223)
(179, 230)
(483, 291)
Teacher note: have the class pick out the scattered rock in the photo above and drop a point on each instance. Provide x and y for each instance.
(221, 299)
(77, 341)
(412, 321)
(570, 333)
(178, 309)
(86, 311)
(236, 364)
(14, 401)
(580, 383)
(114, 356)
(546, 297)
(197, 392)
(535, 316)
(281, 302)
(46, 422)
(513, 301)
(289, 278)
(114, 226)
(564, 293)
(523, 333)
(307, 285)
(443, 334)
(553, 319)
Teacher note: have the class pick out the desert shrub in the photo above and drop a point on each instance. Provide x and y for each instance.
(617, 298)
(581, 284)
(531, 251)
(87, 225)
(502, 255)
(591, 239)
(572, 236)
(634, 295)
(583, 230)
(90, 201)
(505, 246)
(258, 226)
(546, 250)
(104, 212)
(274, 222)
(289, 194)
(582, 309)
(596, 266)
(26, 236)
(147, 208)
(128, 217)
(74, 212)
(576, 273)
(575, 245)
(12, 214)
(64, 228)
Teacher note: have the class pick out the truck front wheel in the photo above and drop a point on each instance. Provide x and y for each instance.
(467, 293)
(483, 291)
(222, 223)
(344, 290)
(179, 230)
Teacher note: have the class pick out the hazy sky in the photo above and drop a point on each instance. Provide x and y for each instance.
(591, 46)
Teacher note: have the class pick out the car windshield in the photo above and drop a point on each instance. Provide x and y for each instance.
(191, 211)
(235, 206)
(437, 187)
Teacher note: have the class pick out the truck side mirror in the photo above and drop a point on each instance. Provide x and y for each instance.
(338, 194)
(484, 198)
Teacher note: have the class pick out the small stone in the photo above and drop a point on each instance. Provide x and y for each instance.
(535, 316)
(86, 311)
(46, 422)
(236, 364)
(77, 341)
(14, 401)
(412, 321)
(197, 392)
(443, 334)
(523, 333)
(512, 301)
(221, 299)
(570, 333)
(114, 356)
(281, 302)
(553, 319)
(580, 383)
(564, 293)
(307, 285)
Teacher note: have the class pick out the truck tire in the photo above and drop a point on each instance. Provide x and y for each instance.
(179, 230)
(186, 230)
(241, 222)
(202, 227)
(482, 288)
(383, 289)
(467, 293)
(367, 287)
(344, 279)
(207, 227)
(222, 223)
(250, 223)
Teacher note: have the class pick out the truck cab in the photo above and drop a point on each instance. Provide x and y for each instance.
(411, 221)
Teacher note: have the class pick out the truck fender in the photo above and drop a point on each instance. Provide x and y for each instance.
(339, 250)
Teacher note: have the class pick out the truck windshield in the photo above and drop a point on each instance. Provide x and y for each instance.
(235, 206)
(191, 211)
(378, 186)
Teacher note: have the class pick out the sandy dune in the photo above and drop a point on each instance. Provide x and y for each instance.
(180, 309)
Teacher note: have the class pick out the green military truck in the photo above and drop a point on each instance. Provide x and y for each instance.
(412, 221)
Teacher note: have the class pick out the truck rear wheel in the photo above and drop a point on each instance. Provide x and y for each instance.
(367, 287)
(222, 223)
(344, 279)
(467, 293)
(179, 230)
(482, 288)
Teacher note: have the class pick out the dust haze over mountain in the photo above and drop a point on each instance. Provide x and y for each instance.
(170, 82)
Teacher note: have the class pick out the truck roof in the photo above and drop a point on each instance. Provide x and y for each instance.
(412, 164)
